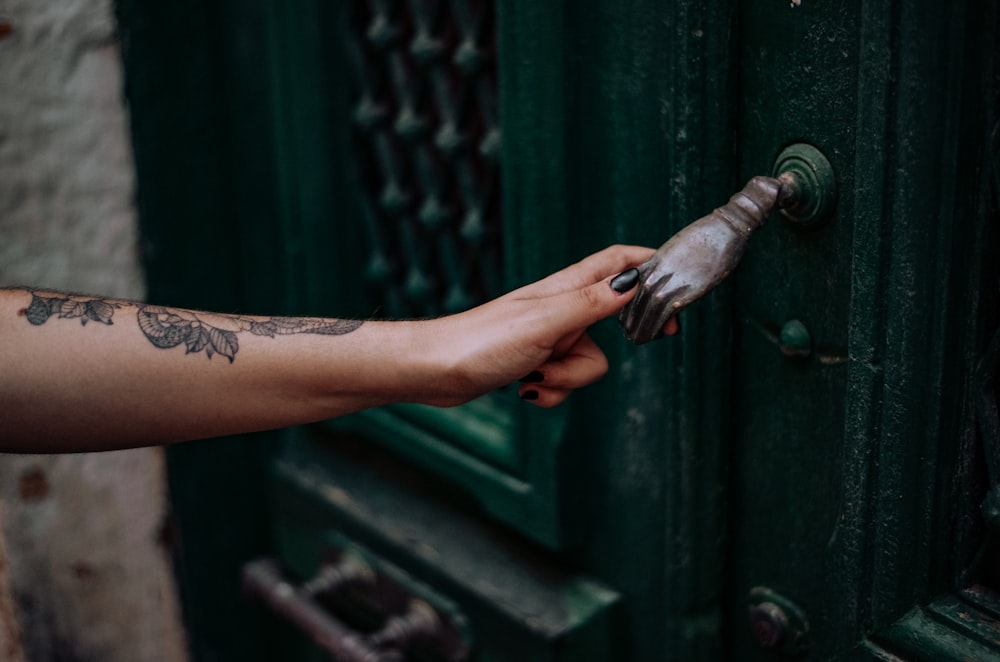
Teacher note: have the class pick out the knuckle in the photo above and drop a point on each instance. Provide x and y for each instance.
(590, 298)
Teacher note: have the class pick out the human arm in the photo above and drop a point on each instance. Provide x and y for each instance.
(83, 373)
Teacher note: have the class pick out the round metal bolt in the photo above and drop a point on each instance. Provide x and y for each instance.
(769, 623)
(795, 340)
(777, 623)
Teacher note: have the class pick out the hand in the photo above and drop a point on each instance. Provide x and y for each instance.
(537, 333)
(695, 260)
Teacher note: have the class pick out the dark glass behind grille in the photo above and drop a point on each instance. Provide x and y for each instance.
(428, 143)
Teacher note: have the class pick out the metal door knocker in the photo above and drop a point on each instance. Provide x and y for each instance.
(699, 257)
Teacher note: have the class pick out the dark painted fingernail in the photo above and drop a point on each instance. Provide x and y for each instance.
(532, 377)
(529, 395)
(625, 281)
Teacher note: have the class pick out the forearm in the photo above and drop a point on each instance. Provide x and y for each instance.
(81, 373)
(84, 373)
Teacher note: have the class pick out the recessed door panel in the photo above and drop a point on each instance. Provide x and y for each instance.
(419, 225)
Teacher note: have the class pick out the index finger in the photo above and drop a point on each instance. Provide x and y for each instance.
(567, 314)
(592, 269)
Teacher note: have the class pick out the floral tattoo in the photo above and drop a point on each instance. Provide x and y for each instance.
(166, 328)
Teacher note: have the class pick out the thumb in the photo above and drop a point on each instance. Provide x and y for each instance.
(577, 309)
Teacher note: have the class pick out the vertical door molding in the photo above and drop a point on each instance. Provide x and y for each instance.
(650, 116)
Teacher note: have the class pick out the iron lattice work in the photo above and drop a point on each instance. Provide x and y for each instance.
(428, 145)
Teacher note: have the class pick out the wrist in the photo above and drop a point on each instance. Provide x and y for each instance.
(409, 361)
(435, 364)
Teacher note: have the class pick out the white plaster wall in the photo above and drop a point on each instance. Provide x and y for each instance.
(83, 576)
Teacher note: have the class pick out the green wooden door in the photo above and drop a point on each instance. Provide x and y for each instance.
(858, 473)
(809, 469)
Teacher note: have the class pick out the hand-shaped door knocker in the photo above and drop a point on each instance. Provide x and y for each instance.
(700, 256)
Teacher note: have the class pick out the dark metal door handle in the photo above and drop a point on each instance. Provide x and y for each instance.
(299, 605)
(699, 257)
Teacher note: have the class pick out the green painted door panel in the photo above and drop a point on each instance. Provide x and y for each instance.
(400, 197)
(373, 158)
(510, 601)
(847, 462)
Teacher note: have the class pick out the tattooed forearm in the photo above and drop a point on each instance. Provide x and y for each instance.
(166, 328)
(69, 306)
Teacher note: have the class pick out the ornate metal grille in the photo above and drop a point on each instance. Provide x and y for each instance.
(428, 143)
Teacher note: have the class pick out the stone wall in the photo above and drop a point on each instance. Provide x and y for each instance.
(83, 573)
